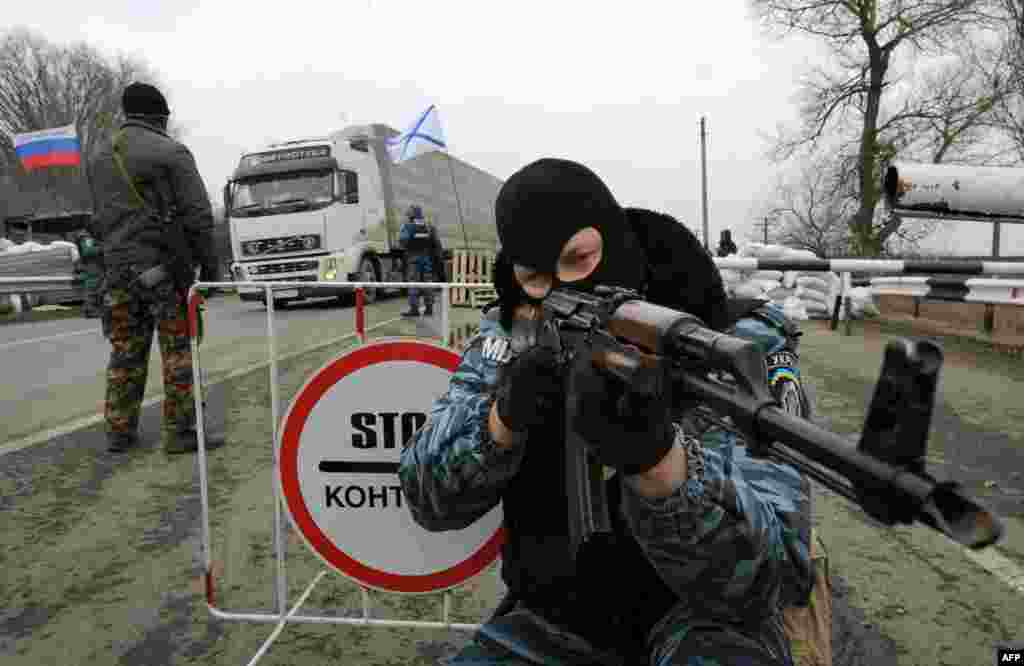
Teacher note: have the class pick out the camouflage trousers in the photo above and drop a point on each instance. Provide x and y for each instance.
(522, 638)
(131, 313)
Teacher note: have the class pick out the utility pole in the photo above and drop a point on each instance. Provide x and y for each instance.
(704, 182)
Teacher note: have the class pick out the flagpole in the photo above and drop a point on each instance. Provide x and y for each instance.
(458, 204)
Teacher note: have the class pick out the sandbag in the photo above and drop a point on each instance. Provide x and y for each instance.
(748, 290)
(794, 309)
(780, 294)
(812, 295)
(814, 283)
(730, 276)
(767, 285)
(800, 254)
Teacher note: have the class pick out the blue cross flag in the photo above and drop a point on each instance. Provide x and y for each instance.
(423, 136)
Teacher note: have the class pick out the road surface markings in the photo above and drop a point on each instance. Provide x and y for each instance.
(83, 331)
(89, 421)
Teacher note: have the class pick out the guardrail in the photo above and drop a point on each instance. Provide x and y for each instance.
(35, 285)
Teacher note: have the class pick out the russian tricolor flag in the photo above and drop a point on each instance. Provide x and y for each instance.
(58, 146)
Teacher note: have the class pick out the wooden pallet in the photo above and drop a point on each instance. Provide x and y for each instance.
(458, 338)
(471, 267)
(482, 296)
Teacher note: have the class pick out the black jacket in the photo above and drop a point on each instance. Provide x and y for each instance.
(141, 221)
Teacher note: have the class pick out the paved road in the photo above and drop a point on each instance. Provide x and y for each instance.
(101, 561)
(55, 371)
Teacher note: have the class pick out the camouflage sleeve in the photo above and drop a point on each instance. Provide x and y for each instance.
(728, 540)
(451, 472)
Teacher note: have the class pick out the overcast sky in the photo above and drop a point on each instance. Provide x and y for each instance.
(619, 87)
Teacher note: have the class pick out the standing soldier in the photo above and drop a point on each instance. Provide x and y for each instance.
(422, 251)
(155, 224)
(726, 246)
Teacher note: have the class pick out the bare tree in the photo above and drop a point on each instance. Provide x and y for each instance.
(811, 210)
(1009, 111)
(45, 85)
(844, 102)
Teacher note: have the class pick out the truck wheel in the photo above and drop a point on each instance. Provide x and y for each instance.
(368, 273)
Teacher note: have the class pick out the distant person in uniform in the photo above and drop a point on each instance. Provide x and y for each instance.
(422, 252)
(725, 244)
(154, 221)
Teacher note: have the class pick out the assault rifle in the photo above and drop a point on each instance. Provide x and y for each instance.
(884, 474)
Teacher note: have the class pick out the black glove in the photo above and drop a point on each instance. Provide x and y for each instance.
(627, 428)
(529, 389)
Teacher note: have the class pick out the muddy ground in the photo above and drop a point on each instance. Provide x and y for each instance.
(101, 561)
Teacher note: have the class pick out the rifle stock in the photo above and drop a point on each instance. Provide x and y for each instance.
(884, 474)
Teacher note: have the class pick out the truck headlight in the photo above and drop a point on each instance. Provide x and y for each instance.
(330, 268)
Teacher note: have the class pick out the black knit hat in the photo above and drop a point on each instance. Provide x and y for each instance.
(142, 99)
(544, 204)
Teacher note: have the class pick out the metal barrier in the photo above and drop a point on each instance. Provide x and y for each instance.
(283, 614)
(936, 288)
(35, 285)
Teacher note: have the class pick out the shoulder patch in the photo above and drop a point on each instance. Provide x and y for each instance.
(496, 349)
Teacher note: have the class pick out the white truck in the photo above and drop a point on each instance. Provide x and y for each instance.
(330, 209)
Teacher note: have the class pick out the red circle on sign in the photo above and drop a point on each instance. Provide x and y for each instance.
(315, 388)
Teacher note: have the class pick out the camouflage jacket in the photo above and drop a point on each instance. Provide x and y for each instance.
(732, 543)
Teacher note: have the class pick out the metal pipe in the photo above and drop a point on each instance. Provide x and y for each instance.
(704, 183)
(284, 620)
(281, 589)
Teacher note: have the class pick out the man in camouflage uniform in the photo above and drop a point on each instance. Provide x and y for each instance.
(152, 212)
(709, 544)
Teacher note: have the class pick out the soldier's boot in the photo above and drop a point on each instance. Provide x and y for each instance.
(188, 442)
(120, 443)
(429, 310)
(411, 312)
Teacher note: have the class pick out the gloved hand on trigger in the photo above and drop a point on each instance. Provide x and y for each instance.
(529, 389)
(628, 428)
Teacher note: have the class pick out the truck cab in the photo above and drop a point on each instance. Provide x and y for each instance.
(302, 211)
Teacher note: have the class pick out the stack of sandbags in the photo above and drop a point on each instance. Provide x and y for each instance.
(31, 259)
(772, 285)
(862, 303)
(818, 293)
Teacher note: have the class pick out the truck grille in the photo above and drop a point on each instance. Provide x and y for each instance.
(279, 245)
(300, 278)
(284, 269)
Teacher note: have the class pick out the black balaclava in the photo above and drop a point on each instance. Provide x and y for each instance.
(541, 206)
(682, 274)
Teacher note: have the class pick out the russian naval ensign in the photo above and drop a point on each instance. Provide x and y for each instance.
(338, 459)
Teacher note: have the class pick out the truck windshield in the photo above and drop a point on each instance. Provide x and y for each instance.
(282, 193)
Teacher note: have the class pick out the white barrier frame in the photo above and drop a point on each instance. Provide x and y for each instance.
(284, 615)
